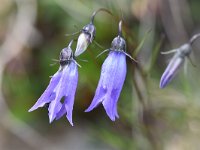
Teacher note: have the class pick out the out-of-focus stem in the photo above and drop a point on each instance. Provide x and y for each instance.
(146, 128)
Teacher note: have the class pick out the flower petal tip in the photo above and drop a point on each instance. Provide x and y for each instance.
(162, 86)
(112, 118)
(88, 110)
(69, 118)
(165, 80)
(51, 118)
(111, 115)
(71, 123)
(31, 109)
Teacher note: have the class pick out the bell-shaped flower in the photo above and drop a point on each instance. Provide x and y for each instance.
(62, 86)
(113, 74)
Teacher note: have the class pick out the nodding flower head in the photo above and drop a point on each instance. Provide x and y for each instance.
(112, 78)
(85, 38)
(87, 34)
(62, 86)
(177, 61)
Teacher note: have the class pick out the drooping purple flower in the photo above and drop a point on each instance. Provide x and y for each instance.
(172, 69)
(62, 86)
(112, 78)
(177, 61)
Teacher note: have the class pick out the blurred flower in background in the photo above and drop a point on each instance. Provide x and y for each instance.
(177, 61)
(32, 32)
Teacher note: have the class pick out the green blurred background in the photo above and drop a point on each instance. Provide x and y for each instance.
(32, 33)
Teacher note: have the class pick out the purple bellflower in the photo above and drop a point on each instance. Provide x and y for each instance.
(87, 34)
(62, 85)
(177, 61)
(112, 78)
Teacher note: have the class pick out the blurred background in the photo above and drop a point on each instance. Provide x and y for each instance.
(32, 33)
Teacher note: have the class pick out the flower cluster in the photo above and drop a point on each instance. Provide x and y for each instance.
(60, 93)
(64, 82)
